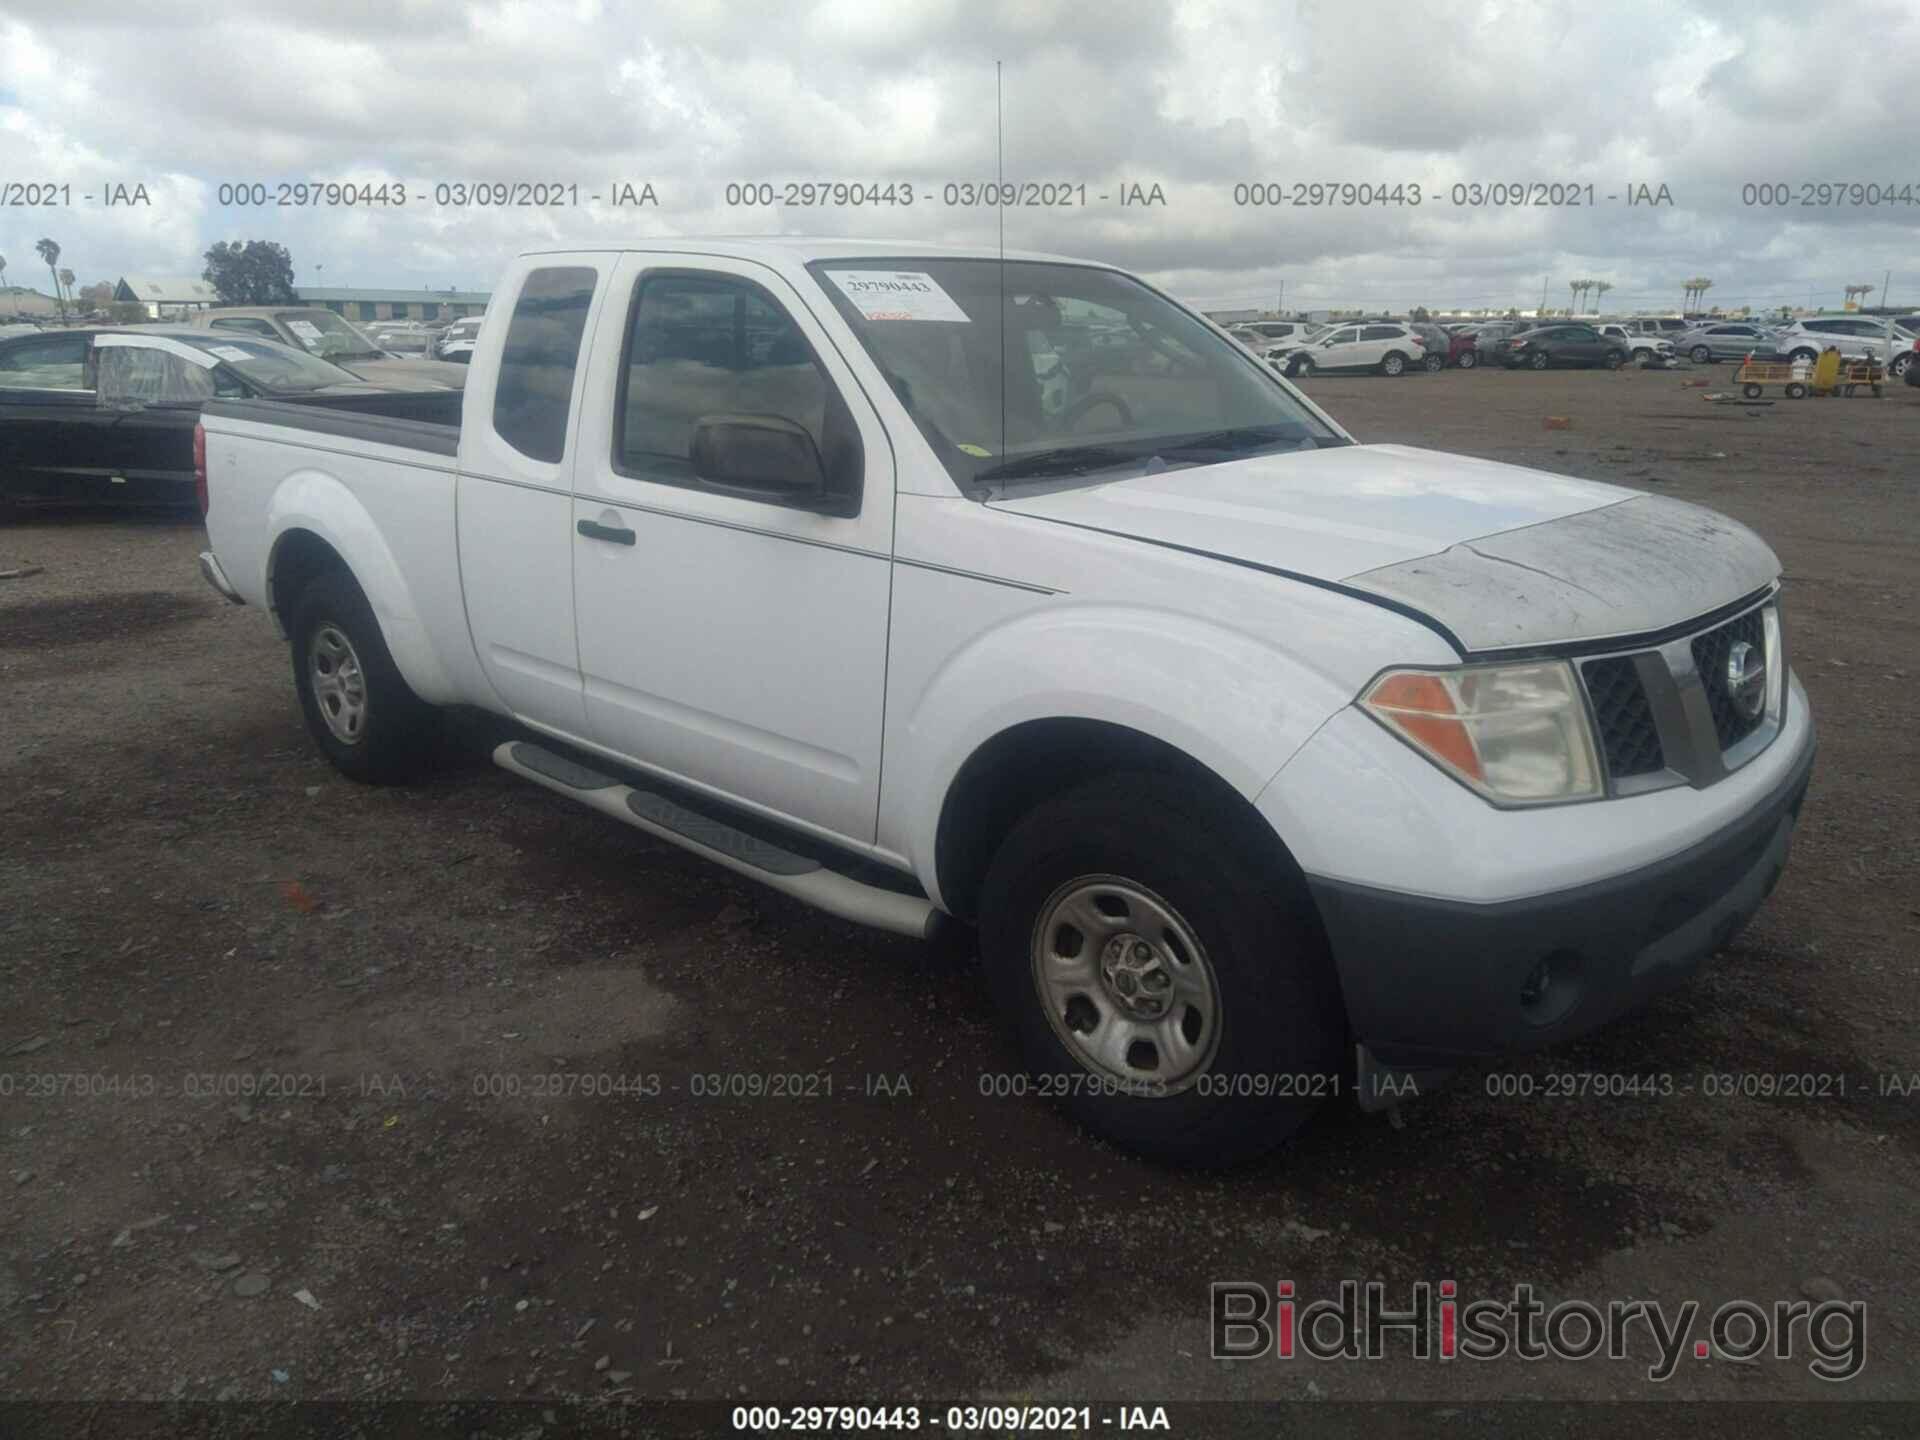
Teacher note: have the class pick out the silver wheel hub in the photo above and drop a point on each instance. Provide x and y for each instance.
(339, 684)
(1126, 984)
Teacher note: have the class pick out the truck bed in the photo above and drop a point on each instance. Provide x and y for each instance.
(426, 420)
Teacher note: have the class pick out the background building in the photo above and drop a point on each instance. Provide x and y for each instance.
(19, 300)
(166, 298)
(358, 304)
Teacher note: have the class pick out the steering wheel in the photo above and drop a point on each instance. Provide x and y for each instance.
(1091, 400)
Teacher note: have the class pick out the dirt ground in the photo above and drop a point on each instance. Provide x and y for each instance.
(445, 1072)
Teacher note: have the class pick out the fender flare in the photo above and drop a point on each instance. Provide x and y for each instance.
(1122, 665)
(317, 503)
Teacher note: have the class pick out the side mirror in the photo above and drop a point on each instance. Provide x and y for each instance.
(760, 457)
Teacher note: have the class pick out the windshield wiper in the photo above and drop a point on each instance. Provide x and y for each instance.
(1068, 460)
(1239, 441)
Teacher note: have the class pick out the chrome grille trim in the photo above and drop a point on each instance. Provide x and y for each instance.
(1682, 707)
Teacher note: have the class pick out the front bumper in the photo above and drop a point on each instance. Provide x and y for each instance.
(1431, 983)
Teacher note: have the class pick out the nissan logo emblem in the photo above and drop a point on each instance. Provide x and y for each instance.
(1747, 679)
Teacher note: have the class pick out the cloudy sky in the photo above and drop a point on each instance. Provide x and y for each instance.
(1700, 96)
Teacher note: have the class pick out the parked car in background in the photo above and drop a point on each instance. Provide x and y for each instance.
(1391, 348)
(1652, 349)
(1439, 344)
(1725, 340)
(1491, 336)
(1669, 326)
(456, 342)
(1256, 754)
(91, 417)
(1854, 336)
(7, 332)
(320, 332)
(1911, 369)
(1564, 344)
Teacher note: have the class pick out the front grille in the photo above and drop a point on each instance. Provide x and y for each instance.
(1710, 659)
(1628, 736)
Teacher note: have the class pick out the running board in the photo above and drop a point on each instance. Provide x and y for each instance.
(800, 876)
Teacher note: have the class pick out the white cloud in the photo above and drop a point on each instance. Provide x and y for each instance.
(1196, 96)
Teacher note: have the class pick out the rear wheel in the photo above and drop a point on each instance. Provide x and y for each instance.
(1170, 989)
(1433, 364)
(1900, 365)
(1468, 359)
(359, 709)
(1796, 391)
(1539, 360)
(1752, 392)
(1394, 364)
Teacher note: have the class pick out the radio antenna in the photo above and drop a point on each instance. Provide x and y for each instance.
(1000, 197)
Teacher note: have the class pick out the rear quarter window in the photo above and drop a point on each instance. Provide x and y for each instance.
(533, 397)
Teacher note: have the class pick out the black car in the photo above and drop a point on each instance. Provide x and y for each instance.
(92, 417)
(1579, 345)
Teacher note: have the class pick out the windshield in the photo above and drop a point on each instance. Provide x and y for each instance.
(273, 366)
(1082, 371)
(323, 333)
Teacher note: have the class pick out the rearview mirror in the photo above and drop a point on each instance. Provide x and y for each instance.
(762, 457)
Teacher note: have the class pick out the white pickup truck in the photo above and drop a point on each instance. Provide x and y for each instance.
(920, 583)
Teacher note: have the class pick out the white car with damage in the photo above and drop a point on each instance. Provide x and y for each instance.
(1269, 765)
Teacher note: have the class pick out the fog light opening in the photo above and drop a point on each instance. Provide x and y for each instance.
(1534, 988)
(1552, 987)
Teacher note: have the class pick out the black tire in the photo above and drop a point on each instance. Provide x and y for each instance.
(1539, 360)
(1277, 1010)
(1394, 363)
(1796, 391)
(1300, 367)
(1702, 355)
(1752, 392)
(395, 729)
(1898, 369)
(1615, 359)
(1433, 364)
(1468, 359)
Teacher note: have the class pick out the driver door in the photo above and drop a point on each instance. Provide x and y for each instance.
(1340, 350)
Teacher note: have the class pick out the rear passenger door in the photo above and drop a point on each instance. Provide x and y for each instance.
(515, 507)
(733, 640)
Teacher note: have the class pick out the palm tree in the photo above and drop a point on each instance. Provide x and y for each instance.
(66, 280)
(48, 251)
(1600, 288)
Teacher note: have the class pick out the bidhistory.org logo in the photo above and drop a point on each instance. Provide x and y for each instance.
(1432, 1322)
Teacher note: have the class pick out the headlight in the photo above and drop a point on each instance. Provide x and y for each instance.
(1517, 734)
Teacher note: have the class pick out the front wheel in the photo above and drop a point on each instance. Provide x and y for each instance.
(1169, 987)
(1701, 354)
(1615, 359)
(1300, 367)
(1433, 364)
(1752, 392)
(1539, 360)
(1468, 359)
(358, 707)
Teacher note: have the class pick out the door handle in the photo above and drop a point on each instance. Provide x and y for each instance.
(594, 530)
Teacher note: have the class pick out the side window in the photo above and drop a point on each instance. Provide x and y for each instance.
(1381, 332)
(247, 327)
(137, 375)
(533, 398)
(1343, 337)
(55, 364)
(706, 346)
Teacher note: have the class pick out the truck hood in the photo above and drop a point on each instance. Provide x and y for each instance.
(1497, 556)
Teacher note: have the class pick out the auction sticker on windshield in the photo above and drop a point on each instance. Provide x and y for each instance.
(228, 352)
(306, 330)
(897, 295)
